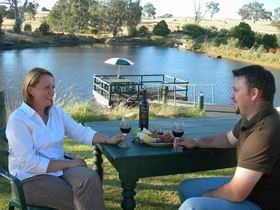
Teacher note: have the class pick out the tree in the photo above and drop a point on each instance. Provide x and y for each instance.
(254, 11)
(269, 41)
(166, 15)
(31, 10)
(213, 8)
(19, 11)
(161, 29)
(244, 34)
(199, 12)
(276, 16)
(143, 31)
(111, 15)
(133, 16)
(69, 16)
(149, 10)
(44, 9)
(3, 10)
(1, 32)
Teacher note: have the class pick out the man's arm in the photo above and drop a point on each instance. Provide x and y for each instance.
(227, 140)
(240, 186)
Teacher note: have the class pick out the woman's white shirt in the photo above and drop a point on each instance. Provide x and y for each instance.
(32, 143)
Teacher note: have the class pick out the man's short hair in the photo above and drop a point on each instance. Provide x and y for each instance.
(258, 77)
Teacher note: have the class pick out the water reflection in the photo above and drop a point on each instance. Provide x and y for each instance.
(75, 66)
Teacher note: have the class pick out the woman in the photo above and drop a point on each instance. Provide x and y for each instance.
(35, 132)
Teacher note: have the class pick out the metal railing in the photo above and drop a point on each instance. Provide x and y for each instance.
(167, 87)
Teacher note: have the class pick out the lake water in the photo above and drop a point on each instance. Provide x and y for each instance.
(73, 68)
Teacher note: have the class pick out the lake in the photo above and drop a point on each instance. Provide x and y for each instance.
(74, 66)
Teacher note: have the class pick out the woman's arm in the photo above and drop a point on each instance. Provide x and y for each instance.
(99, 138)
(55, 165)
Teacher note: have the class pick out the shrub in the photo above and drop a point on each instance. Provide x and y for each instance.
(269, 41)
(2, 34)
(258, 40)
(27, 27)
(244, 34)
(143, 31)
(194, 31)
(44, 28)
(221, 37)
(161, 29)
(261, 49)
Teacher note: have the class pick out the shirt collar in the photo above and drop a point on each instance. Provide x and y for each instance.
(247, 124)
(28, 110)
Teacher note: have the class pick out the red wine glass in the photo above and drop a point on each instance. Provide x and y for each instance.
(177, 131)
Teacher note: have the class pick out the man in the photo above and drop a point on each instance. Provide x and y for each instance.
(256, 181)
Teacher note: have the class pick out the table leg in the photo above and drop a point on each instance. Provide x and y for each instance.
(97, 161)
(128, 192)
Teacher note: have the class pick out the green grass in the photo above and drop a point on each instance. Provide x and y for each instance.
(151, 193)
(85, 112)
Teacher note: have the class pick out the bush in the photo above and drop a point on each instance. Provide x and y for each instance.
(161, 29)
(244, 34)
(269, 41)
(194, 31)
(44, 28)
(27, 28)
(221, 37)
(258, 40)
(143, 31)
(2, 34)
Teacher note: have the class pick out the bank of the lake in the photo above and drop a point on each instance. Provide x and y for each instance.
(27, 40)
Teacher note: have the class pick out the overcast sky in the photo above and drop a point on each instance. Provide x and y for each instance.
(228, 8)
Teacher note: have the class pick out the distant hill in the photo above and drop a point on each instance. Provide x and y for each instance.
(174, 23)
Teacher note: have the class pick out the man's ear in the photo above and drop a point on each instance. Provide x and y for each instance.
(255, 93)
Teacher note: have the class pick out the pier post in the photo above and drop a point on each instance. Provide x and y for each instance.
(2, 109)
(165, 94)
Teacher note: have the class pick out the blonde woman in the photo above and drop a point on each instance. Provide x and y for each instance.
(35, 131)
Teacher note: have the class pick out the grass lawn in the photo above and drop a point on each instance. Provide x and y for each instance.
(151, 193)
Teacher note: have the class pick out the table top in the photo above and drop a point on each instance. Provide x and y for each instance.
(141, 160)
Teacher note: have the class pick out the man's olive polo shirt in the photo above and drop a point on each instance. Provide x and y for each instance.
(258, 149)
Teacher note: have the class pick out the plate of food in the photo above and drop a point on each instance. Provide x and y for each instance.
(155, 137)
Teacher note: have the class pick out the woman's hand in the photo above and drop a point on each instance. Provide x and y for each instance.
(115, 139)
(77, 162)
(56, 165)
(188, 143)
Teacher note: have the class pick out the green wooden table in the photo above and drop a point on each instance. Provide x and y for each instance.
(141, 160)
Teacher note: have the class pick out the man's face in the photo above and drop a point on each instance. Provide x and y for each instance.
(241, 96)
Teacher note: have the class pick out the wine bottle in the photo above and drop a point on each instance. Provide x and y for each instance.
(144, 111)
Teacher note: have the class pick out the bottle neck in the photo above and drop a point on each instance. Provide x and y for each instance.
(144, 95)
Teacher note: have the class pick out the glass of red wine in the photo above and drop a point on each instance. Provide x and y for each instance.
(125, 128)
(177, 131)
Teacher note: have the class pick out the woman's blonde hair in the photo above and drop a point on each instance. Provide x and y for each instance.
(32, 79)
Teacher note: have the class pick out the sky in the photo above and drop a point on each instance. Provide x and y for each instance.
(185, 8)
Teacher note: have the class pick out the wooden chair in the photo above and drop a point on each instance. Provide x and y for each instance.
(17, 199)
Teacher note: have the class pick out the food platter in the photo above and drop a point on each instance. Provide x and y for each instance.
(158, 144)
(154, 137)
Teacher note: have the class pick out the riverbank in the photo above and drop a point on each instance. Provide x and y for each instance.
(174, 39)
(28, 40)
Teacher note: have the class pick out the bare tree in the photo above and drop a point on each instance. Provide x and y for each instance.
(19, 11)
(200, 10)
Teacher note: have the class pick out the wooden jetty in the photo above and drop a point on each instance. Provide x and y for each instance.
(110, 89)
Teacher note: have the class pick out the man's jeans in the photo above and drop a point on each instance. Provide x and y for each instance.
(191, 191)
